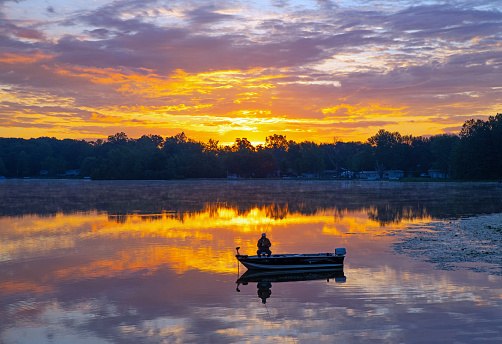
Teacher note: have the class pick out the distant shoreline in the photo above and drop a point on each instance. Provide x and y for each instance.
(402, 180)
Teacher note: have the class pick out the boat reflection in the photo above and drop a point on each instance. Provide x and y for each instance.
(265, 278)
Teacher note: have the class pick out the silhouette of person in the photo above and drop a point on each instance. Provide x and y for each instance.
(264, 246)
(264, 291)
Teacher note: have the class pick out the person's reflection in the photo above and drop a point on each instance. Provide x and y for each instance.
(264, 291)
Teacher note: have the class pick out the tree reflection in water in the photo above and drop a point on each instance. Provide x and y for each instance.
(143, 262)
(387, 201)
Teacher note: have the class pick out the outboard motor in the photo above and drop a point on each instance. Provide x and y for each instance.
(340, 251)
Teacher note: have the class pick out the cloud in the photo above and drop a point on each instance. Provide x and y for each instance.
(206, 15)
(230, 59)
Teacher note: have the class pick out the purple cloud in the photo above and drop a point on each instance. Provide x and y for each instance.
(426, 58)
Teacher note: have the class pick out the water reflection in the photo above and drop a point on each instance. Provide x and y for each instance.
(184, 242)
(264, 279)
(109, 271)
(387, 202)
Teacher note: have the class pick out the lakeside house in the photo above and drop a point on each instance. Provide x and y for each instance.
(387, 174)
(369, 175)
(437, 174)
(393, 174)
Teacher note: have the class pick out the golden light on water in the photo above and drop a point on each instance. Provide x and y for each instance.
(126, 264)
(320, 71)
(181, 241)
(23, 287)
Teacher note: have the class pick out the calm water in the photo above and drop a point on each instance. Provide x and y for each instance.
(153, 262)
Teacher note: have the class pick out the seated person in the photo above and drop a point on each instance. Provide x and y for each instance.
(264, 246)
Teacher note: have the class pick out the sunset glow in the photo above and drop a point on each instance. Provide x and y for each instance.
(188, 242)
(89, 261)
(310, 70)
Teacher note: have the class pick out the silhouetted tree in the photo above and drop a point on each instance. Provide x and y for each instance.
(475, 154)
(442, 147)
(277, 145)
(118, 138)
(3, 169)
(387, 148)
(479, 152)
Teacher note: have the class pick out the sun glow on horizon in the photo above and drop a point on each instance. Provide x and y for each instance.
(220, 105)
(249, 70)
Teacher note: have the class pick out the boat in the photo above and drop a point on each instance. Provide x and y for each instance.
(293, 261)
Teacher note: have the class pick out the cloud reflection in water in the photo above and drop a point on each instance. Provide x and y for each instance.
(170, 276)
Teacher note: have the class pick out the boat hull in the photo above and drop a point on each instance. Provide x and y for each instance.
(292, 261)
(291, 275)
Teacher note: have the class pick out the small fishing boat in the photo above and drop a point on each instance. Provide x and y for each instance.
(293, 261)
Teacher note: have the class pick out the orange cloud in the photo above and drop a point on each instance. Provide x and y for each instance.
(152, 85)
(370, 110)
(23, 59)
(105, 118)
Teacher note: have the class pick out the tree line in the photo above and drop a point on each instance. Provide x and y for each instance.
(476, 153)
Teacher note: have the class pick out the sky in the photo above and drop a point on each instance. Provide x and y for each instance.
(317, 70)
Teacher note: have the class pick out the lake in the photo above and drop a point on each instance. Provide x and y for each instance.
(154, 262)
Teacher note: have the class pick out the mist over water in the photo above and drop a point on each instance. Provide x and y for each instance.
(153, 262)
